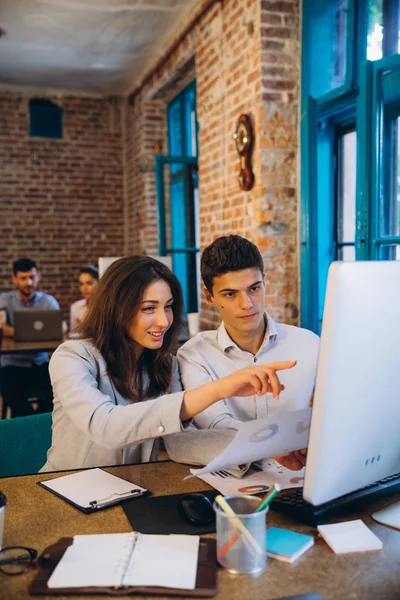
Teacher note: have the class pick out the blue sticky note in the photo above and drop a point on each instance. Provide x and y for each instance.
(287, 544)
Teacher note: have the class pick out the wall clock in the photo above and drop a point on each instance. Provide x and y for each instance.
(244, 139)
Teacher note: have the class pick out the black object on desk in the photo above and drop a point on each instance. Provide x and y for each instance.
(197, 508)
(292, 503)
(166, 514)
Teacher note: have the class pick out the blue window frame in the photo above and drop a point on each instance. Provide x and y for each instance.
(177, 195)
(381, 157)
(350, 124)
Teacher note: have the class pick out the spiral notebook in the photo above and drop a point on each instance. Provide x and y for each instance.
(128, 559)
(128, 563)
(93, 489)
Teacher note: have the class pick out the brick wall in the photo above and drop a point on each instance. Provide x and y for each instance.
(145, 137)
(229, 84)
(277, 215)
(61, 200)
(246, 55)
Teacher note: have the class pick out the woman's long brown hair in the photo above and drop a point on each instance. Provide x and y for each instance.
(115, 302)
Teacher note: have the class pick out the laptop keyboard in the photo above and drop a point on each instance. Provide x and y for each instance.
(292, 502)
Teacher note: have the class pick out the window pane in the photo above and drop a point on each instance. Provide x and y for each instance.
(347, 253)
(181, 229)
(175, 128)
(328, 45)
(190, 121)
(375, 30)
(390, 200)
(181, 195)
(391, 252)
(346, 201)
(397, 183)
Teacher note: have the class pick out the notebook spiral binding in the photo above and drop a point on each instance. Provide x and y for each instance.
(123, 563)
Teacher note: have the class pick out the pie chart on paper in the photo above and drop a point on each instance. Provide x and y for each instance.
(254, 489)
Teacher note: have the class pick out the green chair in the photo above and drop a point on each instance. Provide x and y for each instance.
(24, 442)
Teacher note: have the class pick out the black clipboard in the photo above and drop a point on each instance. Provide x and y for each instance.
(97, 503)
(206, 580)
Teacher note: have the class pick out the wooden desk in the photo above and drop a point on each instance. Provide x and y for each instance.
(10, 346)
(36, 518)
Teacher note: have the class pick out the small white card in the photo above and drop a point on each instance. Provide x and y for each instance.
(351, 536)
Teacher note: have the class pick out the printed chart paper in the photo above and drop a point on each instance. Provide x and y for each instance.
(263, 438)
(254, 482)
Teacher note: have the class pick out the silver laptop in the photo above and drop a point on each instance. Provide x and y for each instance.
(355, 426)
(37, 325)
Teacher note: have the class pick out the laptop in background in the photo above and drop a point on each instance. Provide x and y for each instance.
(37, 325)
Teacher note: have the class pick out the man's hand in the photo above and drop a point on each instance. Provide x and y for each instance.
(294, 460)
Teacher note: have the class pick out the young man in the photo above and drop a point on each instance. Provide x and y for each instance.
(20, 373)
(233, 273)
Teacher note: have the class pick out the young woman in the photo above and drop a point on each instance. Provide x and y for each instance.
(88, 279)
(117, 388)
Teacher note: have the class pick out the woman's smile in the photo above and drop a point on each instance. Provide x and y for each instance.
(157, 334)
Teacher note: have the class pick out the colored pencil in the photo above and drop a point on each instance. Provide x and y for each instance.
(242, 531)
(269, 496)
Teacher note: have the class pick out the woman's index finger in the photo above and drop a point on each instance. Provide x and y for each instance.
(281, 366)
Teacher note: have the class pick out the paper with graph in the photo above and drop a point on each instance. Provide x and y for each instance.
(263, 438)
(255, 481)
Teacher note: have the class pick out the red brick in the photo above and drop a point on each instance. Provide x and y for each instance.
(276, 32)
(47, 178)
(270, 19)
(273, 84)
(271, 45)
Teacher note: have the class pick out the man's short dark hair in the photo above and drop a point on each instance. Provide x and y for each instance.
(91, 270)
(23, 265)
(229, 253)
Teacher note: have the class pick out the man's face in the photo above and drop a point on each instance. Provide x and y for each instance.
(240, 299)
(26, 282)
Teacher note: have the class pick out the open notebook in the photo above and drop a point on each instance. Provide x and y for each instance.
(128, 559)
(128, 563)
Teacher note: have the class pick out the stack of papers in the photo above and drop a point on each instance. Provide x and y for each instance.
(254, 481)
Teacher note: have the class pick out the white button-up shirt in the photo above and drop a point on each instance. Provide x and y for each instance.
(211, 355)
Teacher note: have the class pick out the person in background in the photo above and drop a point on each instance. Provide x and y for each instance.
(88, 280)
(20, 373)
(117, 388)
(232, 270)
